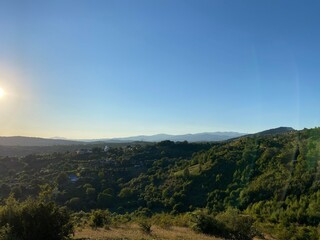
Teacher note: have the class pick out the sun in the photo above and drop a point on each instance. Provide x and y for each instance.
(1, 92)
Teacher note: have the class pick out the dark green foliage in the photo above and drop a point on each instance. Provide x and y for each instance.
(34, 220)
(239, 225)
(105, 199)
(6, 233)
(205, 223)
(229, 224)
(99, 218)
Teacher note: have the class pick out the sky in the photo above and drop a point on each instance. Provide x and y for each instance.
(96, 69)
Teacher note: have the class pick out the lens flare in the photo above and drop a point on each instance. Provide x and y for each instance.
(1, 92)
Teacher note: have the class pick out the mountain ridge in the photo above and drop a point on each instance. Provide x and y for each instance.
(196, 137)
(34, 141)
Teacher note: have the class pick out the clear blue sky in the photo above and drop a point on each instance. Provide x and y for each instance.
(90, 69)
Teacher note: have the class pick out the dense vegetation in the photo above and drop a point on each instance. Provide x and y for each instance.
(267, 183)
(34, 219)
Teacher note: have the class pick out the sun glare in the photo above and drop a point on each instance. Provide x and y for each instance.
(1, 92)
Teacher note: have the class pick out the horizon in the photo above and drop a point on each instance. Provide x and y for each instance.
(143, 135)
(113, 69)
(126, 136)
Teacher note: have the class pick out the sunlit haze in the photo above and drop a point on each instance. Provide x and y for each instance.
(93, 69)
(1, 92)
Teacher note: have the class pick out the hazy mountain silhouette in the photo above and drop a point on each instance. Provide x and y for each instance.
(197, 137)
(33, 141)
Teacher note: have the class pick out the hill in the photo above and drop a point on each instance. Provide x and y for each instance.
(278, 130)
(32, 141)
(271, 178)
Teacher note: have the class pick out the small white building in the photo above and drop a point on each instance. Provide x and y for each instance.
(106, 148)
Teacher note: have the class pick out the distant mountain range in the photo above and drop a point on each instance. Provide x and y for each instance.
(198, 137)
(32, 141)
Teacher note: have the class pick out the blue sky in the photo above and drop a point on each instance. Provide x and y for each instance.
(90, 69)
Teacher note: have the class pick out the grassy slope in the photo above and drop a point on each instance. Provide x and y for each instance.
(133, 232)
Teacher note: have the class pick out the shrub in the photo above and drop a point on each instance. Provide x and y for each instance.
(34, 219)
(5, 233)
(143, 212)
(163, 220)
(295, 232)
(118, 219)
(145, 226)
(241, 226)
(228, 224)
(205, 223)
(80, 219)
(100, 218)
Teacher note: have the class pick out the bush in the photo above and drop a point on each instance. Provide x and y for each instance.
(143, 212)
(205, 223)
(34, 219)
(118, 219)
(239, 225)
(295, 232)
(80, 219)
(145, 226)
(100, 218)
(229, 224)
(166, 220)
(5, 233)
(163, 220)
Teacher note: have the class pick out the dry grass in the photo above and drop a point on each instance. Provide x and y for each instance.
(133, 232)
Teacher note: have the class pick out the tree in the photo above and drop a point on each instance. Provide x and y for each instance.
(62, 179)
(186, 172)
(99, 218)
(34, 219)
(105, 199)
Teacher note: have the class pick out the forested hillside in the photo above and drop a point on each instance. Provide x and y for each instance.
(275, 179)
